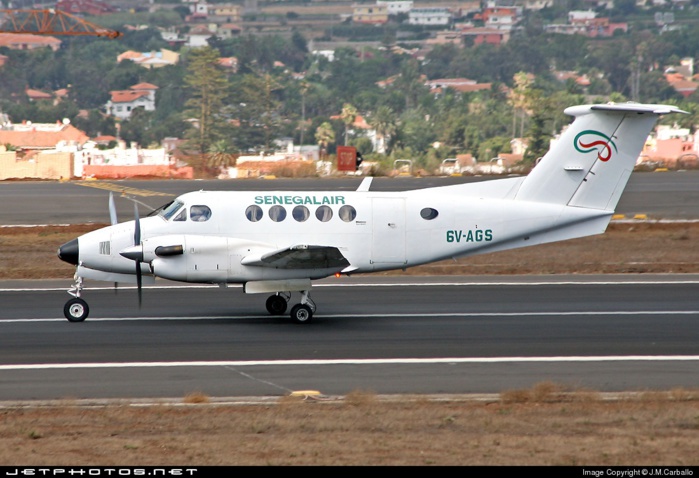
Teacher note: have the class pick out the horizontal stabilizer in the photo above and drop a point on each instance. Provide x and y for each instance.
(300, 257)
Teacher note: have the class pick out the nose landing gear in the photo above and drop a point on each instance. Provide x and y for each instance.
(76, 309)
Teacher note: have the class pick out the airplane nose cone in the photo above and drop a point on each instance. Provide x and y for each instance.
(69, 252)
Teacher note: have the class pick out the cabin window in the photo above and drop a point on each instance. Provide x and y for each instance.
(429, 213)
(199, 213)
(348, 213)
(324, 213)
(301, 213)
(253, 213)
(277, 213)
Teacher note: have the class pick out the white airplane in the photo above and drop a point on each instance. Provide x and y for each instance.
(279, 242)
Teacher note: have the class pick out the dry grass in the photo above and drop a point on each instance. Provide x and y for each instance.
(544, 425)
(541, 426)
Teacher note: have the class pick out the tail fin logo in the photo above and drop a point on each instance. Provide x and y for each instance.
(586, 141)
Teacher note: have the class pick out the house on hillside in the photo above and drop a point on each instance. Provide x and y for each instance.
(24, 41)
(27, 136)
(152, 59)
(371, 14)
(462, 85)
(123, 102)
(394, 7)
(431, 16)
(481, 35)
(587, 23)
(682, 78)
(85, 7)
(37, 95)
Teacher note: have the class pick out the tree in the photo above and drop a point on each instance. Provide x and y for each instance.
(538, 136)
(324, 136)
(348, 115)
(384, 123)
(520, 101)
(255, 106)
(208, 86)
(220, 155)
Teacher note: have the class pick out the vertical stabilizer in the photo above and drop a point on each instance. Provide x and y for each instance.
(591, 162)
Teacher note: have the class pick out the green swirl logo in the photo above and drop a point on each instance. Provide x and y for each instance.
(587, 141)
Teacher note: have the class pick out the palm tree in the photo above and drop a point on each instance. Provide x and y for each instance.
(348, 115)
(384, 123)
(520, 101)
(220, 155)
(325, 134)
(305, 86)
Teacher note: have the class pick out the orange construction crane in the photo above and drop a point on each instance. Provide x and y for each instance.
(50, 22)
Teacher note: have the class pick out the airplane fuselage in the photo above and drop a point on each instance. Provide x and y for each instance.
(383, 231)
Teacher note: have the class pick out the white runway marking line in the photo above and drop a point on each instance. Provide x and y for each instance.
(370, 284)
(397, 361)
(344, 316)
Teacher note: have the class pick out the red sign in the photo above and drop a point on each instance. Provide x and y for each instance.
(346, 158)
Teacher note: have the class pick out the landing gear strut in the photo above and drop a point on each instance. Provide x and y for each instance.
(76, 309)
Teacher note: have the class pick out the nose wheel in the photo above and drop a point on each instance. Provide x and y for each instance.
(76, 309)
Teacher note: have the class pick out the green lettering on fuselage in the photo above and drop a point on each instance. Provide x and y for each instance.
(290, 200)
(472, 235)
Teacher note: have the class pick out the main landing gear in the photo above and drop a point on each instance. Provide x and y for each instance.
(76, 309)
(300, 313)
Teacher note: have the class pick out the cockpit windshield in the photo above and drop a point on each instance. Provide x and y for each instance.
(169, 210)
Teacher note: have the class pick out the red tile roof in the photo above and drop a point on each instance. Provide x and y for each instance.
(36, 139)
(144, 86)
(127, 96)
(37, 94)
(17, 40)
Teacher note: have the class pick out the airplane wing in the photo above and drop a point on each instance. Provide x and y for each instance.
(302, 256)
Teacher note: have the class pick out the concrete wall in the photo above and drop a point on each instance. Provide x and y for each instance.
(148, 171)
(43, 165)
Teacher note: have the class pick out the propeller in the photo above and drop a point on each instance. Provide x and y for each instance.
(112, 209)
(136, 242)
(113, 220)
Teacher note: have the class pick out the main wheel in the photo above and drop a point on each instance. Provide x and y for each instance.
(76, 310)
(301, 313)
(276, 304)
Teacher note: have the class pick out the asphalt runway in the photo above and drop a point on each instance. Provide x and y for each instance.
(386, 335)
(383, 334)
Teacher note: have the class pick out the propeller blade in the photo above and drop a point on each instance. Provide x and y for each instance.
(139, 283)
(136, 242)
(137, 229)
(112, 209)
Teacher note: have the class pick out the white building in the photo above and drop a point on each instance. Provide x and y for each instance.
(123, 102)
(396, 7)
(430, 16)
(119, 156)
